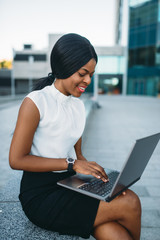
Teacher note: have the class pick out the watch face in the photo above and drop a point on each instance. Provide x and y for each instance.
(71, 160)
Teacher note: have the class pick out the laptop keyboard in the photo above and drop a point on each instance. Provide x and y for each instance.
(99, 187)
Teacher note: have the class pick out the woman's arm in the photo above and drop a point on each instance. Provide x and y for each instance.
(19, 158)
(78, 149)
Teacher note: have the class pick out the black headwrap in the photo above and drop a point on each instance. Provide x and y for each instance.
(69, 54)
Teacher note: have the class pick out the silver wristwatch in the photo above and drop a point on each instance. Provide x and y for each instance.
(70, 162)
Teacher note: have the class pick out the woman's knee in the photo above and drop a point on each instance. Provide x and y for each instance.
(132, 202)
(122, 207)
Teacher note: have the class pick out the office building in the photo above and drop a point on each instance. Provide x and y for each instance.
(144, 48)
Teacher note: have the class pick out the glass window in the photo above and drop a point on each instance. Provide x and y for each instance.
(131, 57)
(141, 38)
(110, 64)
(132, 40)
(142, 56)
(150, 86)
(158, 55)
(152, 36)
(151, 56)
(25, 57)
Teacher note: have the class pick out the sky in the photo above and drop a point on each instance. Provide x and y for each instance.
(30, 21)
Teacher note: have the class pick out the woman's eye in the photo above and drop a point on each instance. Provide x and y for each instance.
(81, 75)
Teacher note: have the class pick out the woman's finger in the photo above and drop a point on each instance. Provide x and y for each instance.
(105, 175)
(98, 175)
(100, 169)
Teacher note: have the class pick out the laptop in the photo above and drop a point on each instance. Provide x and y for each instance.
(118, 181)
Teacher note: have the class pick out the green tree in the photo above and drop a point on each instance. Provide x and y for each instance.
(5, 64)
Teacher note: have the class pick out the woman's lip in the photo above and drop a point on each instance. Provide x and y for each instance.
(81, 89)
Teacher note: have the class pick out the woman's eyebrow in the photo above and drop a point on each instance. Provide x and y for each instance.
(86, 70)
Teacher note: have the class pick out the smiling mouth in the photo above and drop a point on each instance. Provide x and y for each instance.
(82, 89)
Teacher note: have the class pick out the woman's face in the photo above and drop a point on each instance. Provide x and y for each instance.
(77, 83)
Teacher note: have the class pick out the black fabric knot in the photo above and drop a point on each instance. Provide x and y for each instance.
(51, 76)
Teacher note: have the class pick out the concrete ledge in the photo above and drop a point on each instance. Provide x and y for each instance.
(15, 225)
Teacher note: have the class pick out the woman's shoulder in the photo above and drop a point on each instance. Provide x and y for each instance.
(39, 97)
(37, 94)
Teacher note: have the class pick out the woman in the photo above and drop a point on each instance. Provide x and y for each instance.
(46, 145)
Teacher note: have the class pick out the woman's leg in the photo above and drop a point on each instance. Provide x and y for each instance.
(123, 214)
(111, 231)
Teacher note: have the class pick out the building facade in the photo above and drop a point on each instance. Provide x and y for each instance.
(144, 48)
(28, 66)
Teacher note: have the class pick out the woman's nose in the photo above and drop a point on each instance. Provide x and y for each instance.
(87, 79)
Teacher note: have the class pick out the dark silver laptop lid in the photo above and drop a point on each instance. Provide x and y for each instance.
(136, 162)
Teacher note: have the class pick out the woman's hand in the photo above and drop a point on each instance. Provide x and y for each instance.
(90, 168)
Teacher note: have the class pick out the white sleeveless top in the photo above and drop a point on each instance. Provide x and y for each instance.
(62, 121)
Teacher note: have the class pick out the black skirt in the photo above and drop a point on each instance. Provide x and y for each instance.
(55, 208)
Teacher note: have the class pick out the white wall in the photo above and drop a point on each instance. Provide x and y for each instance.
(25, 70)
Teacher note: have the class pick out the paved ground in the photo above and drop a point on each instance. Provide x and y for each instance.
(109, 136)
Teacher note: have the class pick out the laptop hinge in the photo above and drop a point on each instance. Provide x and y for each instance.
(109, 198)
